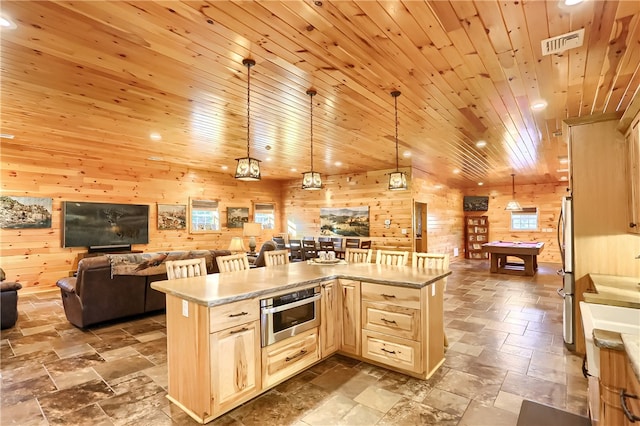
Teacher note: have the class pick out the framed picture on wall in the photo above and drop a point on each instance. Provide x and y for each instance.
(25, 212)
(236, 216)
(344, 221)
(172, 216)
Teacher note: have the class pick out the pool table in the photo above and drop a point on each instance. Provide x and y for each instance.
(528, 252)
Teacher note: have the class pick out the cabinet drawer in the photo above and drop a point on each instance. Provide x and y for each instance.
(284, 359)
(232, 314)
(401, 296)
(391, 319)
(393, 351)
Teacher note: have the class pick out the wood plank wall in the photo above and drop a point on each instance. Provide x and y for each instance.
(302, 209)
(546, 197)
(35, 257)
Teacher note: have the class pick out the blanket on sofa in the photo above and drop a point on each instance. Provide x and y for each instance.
(151, 263)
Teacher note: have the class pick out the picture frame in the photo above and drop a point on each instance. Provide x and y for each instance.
(172, 217)
(237, 216)
(344, 221)
(25, 212)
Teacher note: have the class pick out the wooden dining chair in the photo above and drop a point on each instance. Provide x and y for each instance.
(357, 255)
(392, 257)
(327, 245)
(276, 257)
(280, 242)
(309, 250)
(352, 243)
(438, 261)
(233, 262)
(295, 246)
(184, 268)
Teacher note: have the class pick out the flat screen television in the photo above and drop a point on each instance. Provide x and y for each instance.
(104, 224)
(473, 203)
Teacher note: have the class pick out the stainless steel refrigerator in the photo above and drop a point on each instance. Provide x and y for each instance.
(567, 292)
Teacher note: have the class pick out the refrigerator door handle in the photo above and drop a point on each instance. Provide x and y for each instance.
(561, 293)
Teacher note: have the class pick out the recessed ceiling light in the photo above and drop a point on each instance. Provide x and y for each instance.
(539, 105)
(267, 159)
(293, 169)
(437, 186)
(481, 144)
(572, 2)
(155, 136)
(406, 154)
(224, 167)
(6, 136)
(338, 163)
(456, 171)
(480, 183)
(7, 23)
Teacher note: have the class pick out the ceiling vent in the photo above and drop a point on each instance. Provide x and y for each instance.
(562, 42)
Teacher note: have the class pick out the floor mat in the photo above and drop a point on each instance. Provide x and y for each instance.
(534, 414)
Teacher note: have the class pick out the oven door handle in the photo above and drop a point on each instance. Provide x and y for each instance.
(291, 305)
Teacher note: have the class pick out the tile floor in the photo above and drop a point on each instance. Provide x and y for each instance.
(505, 335)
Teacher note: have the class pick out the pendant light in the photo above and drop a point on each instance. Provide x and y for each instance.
(311, 180)
(513, 204)
(397, 179)
(248, 168)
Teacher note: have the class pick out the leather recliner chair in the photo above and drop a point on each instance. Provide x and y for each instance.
(268, 245)
(8, 302)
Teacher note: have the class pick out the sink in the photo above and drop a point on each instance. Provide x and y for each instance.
(606, 317)
(615, 290)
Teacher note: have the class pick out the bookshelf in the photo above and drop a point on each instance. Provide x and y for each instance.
(476, 233)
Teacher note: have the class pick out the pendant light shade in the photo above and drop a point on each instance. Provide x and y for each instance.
(311, 180)
(513, 204)
(248, 168)
(397, 179)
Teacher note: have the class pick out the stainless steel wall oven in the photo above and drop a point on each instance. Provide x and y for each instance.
(289, 314)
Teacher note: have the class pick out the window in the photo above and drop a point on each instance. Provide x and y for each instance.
(525, 219)
(205, 216)
(265, 214)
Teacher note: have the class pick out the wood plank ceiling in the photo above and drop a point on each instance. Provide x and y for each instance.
(96, 78)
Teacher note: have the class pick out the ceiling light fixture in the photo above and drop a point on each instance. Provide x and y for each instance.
(397, 179)
(513, 204)
(311, 180)
(7, 23)
(481, 144)
(539, 105)
(248, 168)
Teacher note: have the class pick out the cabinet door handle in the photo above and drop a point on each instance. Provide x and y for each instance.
(390, 296)
(388, 351)
(239, 330)
(238, 315)
(623, 402)
(632, 225)
(299, 354)
(388, 321)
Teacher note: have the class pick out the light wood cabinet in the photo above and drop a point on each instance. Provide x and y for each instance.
(476, 233)
(235, 365)
(350, 313)
(330, 319)
(391, 326)
(633, 175)
(284, 359)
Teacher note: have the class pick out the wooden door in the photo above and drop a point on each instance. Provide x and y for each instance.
(330, 319)
(351, 322)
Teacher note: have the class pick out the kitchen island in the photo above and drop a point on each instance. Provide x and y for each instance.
(391, 316)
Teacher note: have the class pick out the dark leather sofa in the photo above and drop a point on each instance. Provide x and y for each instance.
(8, 302)
(94, 295)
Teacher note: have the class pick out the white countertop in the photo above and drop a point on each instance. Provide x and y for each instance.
(226, 287)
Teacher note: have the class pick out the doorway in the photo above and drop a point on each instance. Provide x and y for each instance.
(420, 226)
